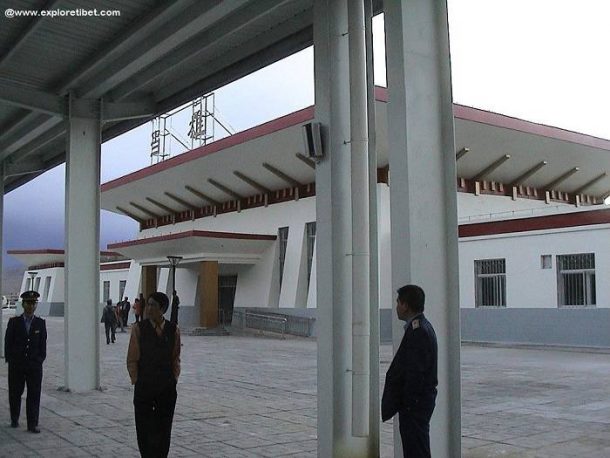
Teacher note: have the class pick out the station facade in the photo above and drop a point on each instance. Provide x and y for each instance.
(241, 215)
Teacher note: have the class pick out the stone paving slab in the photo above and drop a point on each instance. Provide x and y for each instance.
(253, 396)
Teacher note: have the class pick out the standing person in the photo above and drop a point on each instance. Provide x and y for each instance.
(119, 314)
(175, 306)
(411, 380)
(25, 349)
(126, 307)
(153, 363)
(109, 320)
(137, 310)
(142, 307)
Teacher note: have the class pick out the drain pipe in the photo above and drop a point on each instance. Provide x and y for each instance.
(360, 220)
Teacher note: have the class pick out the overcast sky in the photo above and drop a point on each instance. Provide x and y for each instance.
(541, 60)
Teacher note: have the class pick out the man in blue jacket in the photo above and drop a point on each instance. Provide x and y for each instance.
(25, 349)
(411, 380)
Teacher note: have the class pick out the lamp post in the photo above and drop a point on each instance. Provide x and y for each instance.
(174, 261)
(32, 275)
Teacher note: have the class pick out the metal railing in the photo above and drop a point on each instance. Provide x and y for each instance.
(274, 322)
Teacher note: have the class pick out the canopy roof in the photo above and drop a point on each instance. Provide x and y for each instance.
(151, 58)
(269, 157)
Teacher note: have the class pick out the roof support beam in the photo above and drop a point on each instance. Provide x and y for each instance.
(181, 201)
(162, 206)
(560, 179)
(194, 44)
(26, 32)
(32, 99)
(224, 189)
(202, 195)
(306, 160)
(118, 111)
(278, 173)
(528, 173)
(590, 183)
(491, 167)
(461, 153)
(251, 182)
(131, 215)
(144, 210)
(23, 167)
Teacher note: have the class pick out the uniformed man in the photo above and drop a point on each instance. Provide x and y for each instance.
(25, 349)
(411, 380)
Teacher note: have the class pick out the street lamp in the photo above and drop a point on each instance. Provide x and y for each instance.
(32, 275)
(174, 261)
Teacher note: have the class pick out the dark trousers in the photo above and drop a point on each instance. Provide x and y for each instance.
(109, 328)
(415, 433)
(137, 318)
(20, 375)
(154, 409)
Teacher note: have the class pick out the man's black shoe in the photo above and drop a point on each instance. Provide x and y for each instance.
(34, 429)
(14, 424)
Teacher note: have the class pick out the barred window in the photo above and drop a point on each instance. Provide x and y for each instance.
(283, 238)
(576, 279)
(122, 284)
(490, 279)
(310, 229)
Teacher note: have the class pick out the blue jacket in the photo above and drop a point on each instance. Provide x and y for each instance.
(22, 348)
(411, 380)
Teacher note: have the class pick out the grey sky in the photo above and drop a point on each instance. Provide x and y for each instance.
(544, 61)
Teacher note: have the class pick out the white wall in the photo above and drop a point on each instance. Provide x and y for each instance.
(114, 277)
(527, 284)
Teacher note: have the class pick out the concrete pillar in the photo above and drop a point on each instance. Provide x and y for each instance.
(82, 310)
(343, 339)
(422, 191)
(208, 294)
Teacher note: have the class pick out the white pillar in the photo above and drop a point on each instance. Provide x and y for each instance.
(343, 338)
(81, 311)
(422, 191)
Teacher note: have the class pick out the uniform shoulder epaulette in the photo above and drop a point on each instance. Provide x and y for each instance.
(415, 324)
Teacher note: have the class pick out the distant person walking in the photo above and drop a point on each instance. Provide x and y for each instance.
(119, 314)
(125, 308)
(110, 320)
(153, 363)
(137, 309)
(411, 380)
(25, 349)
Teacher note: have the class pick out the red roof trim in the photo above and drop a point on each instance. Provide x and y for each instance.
(261, 130)
(585, 218)
(180, 235)
(116, 266)
(59, 251)
(381, 95)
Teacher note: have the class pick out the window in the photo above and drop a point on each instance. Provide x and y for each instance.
(122, 284)
(37, 284)
(545, 261)
(283, 237)
(47, 288)
(106, 291)
(576, 279)
(490, 282)
(310, 231)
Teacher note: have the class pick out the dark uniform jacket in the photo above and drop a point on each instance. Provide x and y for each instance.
(21, 348)
(411, 380)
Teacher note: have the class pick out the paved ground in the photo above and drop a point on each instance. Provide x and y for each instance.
(252, 396)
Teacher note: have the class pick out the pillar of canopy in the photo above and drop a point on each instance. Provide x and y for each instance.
(348, 415)
(208, 294)
(81, 315)
(423, 201)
